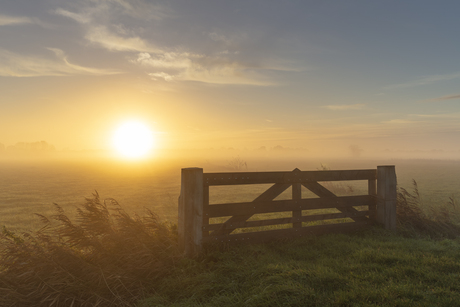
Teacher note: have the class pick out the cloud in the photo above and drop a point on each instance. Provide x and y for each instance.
(15, 65)
(101, 36)
(110, 10)
(232, 73)
(139, 9)
(161, 75)
(97, 17)
(425, 81)
(166, 60)
(80, 18)
(448, 115)
(34, 147)
(108, 24)
(221, 38)
(201, 68)
(449, 97)
(399, 121)
(357, 106)
(10, 20)
(97, 20)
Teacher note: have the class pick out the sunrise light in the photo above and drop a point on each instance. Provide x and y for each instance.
(133, 140)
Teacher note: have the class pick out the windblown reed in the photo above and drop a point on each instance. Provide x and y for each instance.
(416, 218)
(104, 258)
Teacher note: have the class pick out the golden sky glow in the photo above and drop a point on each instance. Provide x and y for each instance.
(316, 76)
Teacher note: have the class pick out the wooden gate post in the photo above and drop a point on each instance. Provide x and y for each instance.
(386, 193)
(190, 227)
(297, 214)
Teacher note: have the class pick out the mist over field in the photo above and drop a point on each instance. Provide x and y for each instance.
(31, 182)
(45, 150)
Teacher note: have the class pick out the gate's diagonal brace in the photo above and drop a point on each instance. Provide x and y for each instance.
(318, 189)
(268, 195)
(321, 191)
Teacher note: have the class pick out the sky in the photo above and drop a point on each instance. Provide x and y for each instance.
(323, 76)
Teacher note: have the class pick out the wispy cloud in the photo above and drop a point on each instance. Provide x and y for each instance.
(119, 26)
(80, 18)
(201, 68)
(139, 9)
(444, 115)
(172, 60)
(179, 66)
(15, 65)
(399, 121)
(95, 10)
(101, 36)
(425, 81)
(220, 38)
(101, 21)
(449, 97)
(161, 75)
(357, 106)
(13, 20)
(230, 74)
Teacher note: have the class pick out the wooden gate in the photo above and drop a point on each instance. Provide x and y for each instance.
(195, 212)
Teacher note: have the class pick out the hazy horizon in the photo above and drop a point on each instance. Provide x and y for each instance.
(44, 150)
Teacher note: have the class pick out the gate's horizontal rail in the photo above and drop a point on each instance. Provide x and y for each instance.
(284, 220)
(251, 208)
(269, 235)
(210, 179)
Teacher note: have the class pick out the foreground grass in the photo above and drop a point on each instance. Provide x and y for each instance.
(374, 268)
(417, 266)
(105, 257)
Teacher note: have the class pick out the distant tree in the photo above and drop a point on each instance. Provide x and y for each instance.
(262, 148)
(237, 164)
(32, 147)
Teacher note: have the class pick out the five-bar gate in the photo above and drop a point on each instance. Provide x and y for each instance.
(195, 211)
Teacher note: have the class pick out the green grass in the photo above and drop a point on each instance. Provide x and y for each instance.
(417, 266)
(373, 268)
(102, 256)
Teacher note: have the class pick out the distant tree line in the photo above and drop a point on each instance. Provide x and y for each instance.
(28, 147)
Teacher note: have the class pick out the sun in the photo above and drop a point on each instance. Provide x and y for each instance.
(133, 139)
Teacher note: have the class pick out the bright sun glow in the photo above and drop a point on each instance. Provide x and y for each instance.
(133, 139)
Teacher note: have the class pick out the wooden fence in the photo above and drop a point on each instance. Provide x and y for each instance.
(195, 212)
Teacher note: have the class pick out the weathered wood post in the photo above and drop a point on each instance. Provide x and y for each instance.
(297, 194)
(386, 193)
(297, 214)
(372, 190)
(190, 225)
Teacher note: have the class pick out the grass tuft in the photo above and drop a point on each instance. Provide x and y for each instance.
(104, 258)
(440, 221)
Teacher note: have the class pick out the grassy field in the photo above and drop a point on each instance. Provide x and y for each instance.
(374, 268)
(101, 254)
(33, 186)
(112, 259)
(419, 265)
(29, 187)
